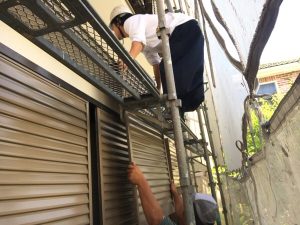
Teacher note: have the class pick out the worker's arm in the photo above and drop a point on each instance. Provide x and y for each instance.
(156, 72)
(152, 210)
(178, 202)
(135, 50)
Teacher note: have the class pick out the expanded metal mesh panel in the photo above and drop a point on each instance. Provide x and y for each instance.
(59, 10)
(92, 39)
(60, 41)
(148, 112)
(27, 17)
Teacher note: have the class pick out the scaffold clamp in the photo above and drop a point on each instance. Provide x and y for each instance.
(159, 29)
(177, 103)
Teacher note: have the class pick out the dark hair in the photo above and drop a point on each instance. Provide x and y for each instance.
(120, 19)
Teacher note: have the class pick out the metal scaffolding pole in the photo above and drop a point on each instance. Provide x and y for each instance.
(187, 6)
(181, 6)
(169, 5)
(206, 156)
(213, 152)
(196, 9)
(194, 173)
(174, 104)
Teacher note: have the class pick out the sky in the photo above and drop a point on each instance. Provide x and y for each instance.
(284, 42)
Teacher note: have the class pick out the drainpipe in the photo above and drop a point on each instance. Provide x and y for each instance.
(205, 113)
(174, 104)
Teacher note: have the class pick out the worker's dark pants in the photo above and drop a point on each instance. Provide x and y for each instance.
(186, 44)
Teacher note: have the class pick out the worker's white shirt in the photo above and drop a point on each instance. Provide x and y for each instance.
(142, 28)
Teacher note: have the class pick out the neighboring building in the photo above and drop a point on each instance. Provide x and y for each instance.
(277, 77)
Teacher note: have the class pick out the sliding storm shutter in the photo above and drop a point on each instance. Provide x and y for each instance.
(148, 152)
(118, 198)
(44, 151)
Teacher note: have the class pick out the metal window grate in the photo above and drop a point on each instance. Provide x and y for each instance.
(27, 17)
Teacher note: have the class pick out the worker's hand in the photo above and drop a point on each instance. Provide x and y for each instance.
(122, 66)
(173, 188)
(135, 175)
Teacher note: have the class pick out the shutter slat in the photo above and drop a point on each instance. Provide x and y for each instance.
(28, 115)
(38, 204)
(21, 164)
(12, 136)
(40, 97)
(39, 130)
(9, 149)
(30, 191)
(45, 216)
(17, 177)
(28, 78)
(24, 102)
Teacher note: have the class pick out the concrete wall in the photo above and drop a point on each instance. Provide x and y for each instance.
(274, 183)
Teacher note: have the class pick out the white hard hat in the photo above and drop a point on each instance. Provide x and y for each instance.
(118, 10)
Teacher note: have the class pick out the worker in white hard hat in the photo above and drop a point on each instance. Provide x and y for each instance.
(186, 45)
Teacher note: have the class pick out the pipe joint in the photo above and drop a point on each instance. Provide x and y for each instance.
(160, 29)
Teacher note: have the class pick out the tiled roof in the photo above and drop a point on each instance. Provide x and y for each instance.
(269, 65)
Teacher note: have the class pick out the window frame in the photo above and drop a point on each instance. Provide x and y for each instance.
(265, 83)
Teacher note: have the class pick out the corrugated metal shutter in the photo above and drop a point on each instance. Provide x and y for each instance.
(44, 153)
(171, 150)
(118, 196)
(148, 152)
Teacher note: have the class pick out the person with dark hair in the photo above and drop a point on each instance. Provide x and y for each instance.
(186, 45)
(205, 207)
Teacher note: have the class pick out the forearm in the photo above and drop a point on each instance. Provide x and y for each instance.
(136, 48)
(151, 207)
(179, 209)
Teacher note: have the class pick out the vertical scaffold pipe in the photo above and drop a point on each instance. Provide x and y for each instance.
(213, 152)
(187, 6)
(196, 9)
(173, 103)
(181, 6)
(169, 5)
(206, 157)
(194, 174)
